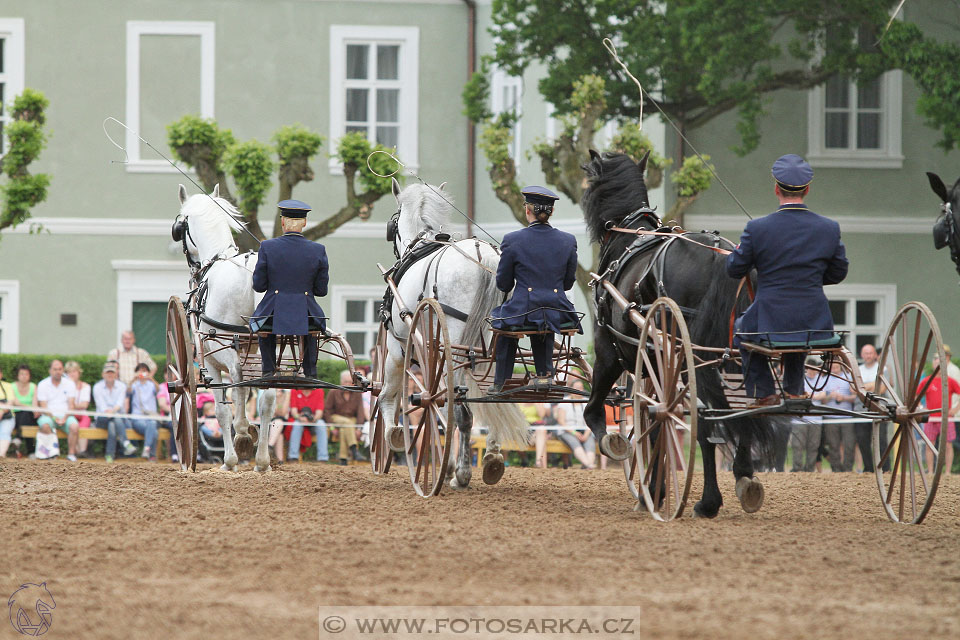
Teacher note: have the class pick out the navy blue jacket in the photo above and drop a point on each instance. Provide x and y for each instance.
(291, 270)
(542, 262)
(795, 252)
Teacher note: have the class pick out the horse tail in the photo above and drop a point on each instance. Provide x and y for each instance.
(505, 421)
(711, 328)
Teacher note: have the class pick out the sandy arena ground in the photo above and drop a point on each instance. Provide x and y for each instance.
(134, 550)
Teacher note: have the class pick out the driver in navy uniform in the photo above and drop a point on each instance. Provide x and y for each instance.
(291, 270)
(538, 263)
(795, 252)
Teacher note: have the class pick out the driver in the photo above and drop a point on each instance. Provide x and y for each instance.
(538, 263)
(795, 252)
(291, 270)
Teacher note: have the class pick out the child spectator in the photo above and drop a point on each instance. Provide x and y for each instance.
(143, 402)
(58, 395)
(110, 394)
(209, 424)
(82, 403)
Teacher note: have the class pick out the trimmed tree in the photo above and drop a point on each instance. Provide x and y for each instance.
(26, 139)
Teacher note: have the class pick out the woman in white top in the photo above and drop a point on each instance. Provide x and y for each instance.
(82, 402)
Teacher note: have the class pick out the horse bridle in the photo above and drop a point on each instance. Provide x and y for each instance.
(393, 228)
(180, 231)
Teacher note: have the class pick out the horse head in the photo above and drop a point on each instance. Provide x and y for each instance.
(422, 211)
(945, 229)
(616, 189)
(204, 224)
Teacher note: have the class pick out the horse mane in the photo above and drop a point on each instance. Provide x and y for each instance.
(616, 189)
(432, 209)
(212, 219)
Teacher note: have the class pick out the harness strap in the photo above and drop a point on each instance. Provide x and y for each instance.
(677, 234)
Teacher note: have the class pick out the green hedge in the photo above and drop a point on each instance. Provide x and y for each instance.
(92, 365)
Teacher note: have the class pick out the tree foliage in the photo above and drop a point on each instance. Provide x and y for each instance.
(26, 138)
(214, 153)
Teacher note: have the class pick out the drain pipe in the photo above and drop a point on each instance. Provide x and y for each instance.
(471, 128)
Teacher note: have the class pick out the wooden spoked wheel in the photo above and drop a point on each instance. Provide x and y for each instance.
(664, 412)
(427, 400)
(627, 431)
(380, 454)
(182, 384)
(908, 488)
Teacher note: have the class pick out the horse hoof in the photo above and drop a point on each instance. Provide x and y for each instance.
(262, 469)
(750, 494)
(615, 446)
(243, 444)
(395, 439)
(228, 467)
(254, 433)
(463, 477)
(699, 511)
(492, 468)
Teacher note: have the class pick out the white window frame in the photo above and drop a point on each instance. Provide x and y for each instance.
(500, 82)
(13, 76)
(885, 294)
(135, 29)
(147, 281)
(339, 294)
(10, 321)
(408, 68)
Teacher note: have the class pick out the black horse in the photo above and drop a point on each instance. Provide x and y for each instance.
(695, 278)
(946, 230)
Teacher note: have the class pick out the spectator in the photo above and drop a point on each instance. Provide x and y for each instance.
(839, 435)
(575, 433)
(209, 424)
(82, 403)
(110, 395)
(280, 412)
(143, 402)
(536, 414)
(163, 408)
(345, 409)
(58, 395)
(306, 410)
(863, 431)
(128, 356)
(805, 436)
(931, 429)
(24, 395)
(6, 416)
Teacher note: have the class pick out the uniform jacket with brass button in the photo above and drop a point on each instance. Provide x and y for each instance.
(291, 270)
(539, 263)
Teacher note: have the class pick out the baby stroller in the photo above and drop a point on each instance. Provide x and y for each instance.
(209, 449)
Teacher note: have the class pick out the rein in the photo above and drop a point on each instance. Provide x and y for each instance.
(678, 233)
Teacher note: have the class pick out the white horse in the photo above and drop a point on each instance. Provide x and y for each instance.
(459, 282)
(229, 296)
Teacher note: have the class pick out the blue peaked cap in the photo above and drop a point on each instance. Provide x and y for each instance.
(792, 172)
(539, 195)
(293, 208)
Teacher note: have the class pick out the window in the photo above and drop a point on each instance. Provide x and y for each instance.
(856, 124)
(356, 315)
(9, 316)
(146, 281)
(864, 311)
(507, 95)
(374, 78)
(11, 70)
(170, 73)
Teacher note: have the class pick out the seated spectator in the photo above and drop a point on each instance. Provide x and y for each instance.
(110, 394)
(345, 409)
(82, 403)
(280, 412)
(840, 436)
(6, 416)
(24, 395)
(127, 356)
(306, 410)
(57, 394)
(209, 424)
(575, 433)
(143, 402)
(805, 436)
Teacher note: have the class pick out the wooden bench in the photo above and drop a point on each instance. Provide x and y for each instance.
(92, 433)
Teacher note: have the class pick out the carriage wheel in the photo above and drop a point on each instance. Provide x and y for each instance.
(182, 384)
(427, 403)
(662, 472)
(908, 489)
(626, 430)
(380, 454)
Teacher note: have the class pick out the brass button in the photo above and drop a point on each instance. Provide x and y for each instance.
(554, 290)
(276, 290)
(529, 288)
(304, 293)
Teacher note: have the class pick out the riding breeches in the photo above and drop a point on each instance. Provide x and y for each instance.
(268, 349)
(542, 346)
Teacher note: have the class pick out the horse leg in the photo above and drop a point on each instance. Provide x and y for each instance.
(389, 401)
(464, 471)
(267, 403)
(605, 374)
(749, 490)
(224, 418)
(243, 442)
(492, 463)
(711, 500)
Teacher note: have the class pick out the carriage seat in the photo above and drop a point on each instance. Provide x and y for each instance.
(532, 328)
(751, 342)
